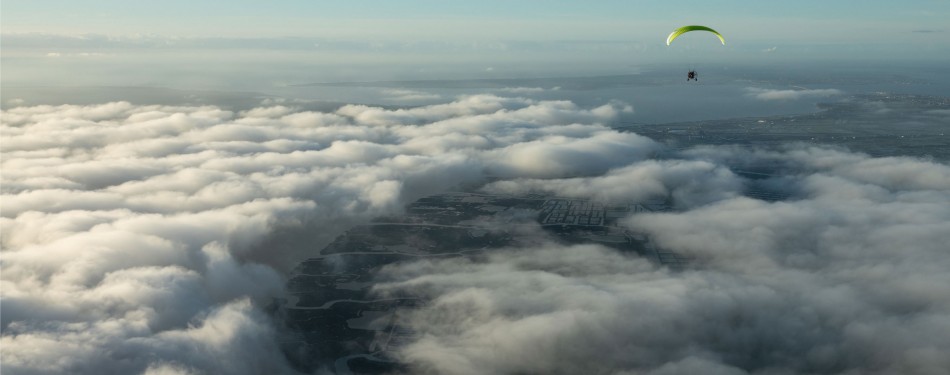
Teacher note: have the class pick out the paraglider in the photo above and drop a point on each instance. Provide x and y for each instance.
(692, 75)
(685, 29)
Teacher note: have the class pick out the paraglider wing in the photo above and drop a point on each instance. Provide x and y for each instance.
(686, 29)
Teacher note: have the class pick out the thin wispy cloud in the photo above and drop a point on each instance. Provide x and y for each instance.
(522, 90)
(773, 94)
(410, 95)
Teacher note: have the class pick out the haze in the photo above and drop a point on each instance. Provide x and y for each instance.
(430, 187)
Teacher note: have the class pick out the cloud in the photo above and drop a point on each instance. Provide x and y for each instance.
(410, 95)
(770, 94)
(687, 183)
(522, 90)
(770, 49)
(148, 238)
(78, 54)
(846, 277)
(142, 238)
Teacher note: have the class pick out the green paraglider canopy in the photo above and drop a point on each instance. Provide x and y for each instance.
(686, 29)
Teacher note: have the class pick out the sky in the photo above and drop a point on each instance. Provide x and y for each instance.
(539, 20)
(165, 165)
(334, 34)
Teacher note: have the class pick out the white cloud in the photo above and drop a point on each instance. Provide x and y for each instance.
(846, 278)
(78, 54)
(134, 236)
(275, 111)
(141, 239)
(522, 90)
(770, 94)
(410, 95)
(687, 183)
(16, 102)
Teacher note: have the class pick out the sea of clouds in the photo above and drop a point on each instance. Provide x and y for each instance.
(151, 239)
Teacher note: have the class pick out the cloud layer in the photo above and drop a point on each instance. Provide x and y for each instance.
(148, 238)
(848, 276)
